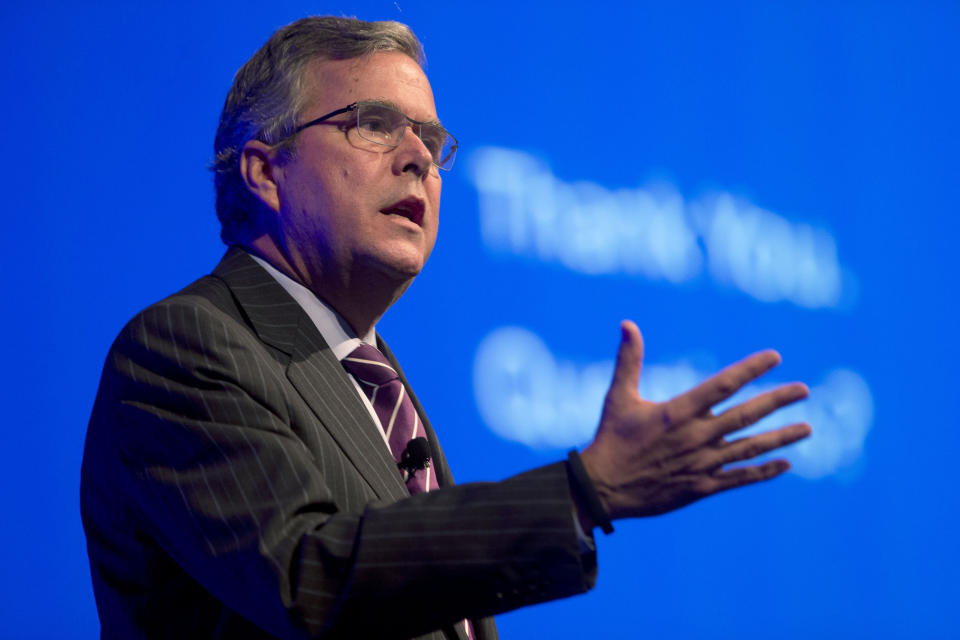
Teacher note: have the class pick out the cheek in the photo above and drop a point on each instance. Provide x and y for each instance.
(433, 193)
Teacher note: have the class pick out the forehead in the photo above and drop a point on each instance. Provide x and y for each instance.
(390, 76)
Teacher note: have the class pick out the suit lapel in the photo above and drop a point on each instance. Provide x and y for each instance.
(313, 370)
(323, 383)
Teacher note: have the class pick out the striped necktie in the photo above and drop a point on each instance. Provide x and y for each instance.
(398, 417)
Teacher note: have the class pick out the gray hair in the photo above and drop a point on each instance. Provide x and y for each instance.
(267, 99)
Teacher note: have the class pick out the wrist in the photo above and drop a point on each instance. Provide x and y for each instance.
(590, 509)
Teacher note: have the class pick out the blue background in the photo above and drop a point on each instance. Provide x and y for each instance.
(840, 115)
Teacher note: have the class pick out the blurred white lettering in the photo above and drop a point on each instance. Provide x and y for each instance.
(652, 232)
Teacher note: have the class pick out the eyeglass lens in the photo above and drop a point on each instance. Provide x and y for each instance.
(385, 126)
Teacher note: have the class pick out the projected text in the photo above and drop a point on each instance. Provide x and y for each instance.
(654, 232)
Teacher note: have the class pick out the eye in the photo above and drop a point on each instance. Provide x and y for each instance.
(433, 140)
(376, 124)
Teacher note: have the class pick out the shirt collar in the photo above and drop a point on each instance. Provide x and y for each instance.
(341, 339)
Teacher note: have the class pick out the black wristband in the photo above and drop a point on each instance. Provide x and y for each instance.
(587, 492)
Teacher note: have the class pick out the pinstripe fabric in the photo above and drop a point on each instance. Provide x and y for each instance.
(234, 485)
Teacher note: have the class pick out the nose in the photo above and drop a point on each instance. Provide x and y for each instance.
(412, 154)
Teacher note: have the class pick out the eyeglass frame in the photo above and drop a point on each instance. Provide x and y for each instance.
(356, 107)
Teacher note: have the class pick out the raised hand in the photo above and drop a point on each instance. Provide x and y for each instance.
(648, 458)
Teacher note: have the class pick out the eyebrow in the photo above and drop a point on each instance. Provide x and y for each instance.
(393, 105)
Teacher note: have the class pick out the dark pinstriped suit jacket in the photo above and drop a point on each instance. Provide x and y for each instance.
(234, 486)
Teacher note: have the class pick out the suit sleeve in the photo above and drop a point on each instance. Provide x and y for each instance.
(200, 437)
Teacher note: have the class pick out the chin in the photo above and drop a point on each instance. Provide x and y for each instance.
(401, 265)
(402, 272)
(397, 271)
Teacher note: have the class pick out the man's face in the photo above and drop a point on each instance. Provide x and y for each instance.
(348, 213)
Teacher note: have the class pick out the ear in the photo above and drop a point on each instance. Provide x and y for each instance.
(258, 162)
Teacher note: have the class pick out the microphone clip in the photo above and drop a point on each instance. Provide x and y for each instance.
(415, 457)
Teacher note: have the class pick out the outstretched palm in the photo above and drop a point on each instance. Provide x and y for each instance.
(648, 458)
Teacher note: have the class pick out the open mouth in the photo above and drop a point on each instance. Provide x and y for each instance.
(411, 208)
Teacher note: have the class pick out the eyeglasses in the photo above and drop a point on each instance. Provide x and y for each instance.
(385, 126)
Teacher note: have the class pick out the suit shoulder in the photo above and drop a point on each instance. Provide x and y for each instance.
(206, 299)
(202, 318)
(209, 293)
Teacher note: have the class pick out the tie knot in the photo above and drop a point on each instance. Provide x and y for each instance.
(368, 365)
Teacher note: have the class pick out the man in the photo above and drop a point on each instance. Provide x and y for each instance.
(239, 482)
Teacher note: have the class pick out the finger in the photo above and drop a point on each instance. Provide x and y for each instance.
(747, 448)
(626, 375)
(742, 476)
(755, 409)
(721, 386)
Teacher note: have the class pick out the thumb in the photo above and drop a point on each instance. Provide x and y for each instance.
(626, 375)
